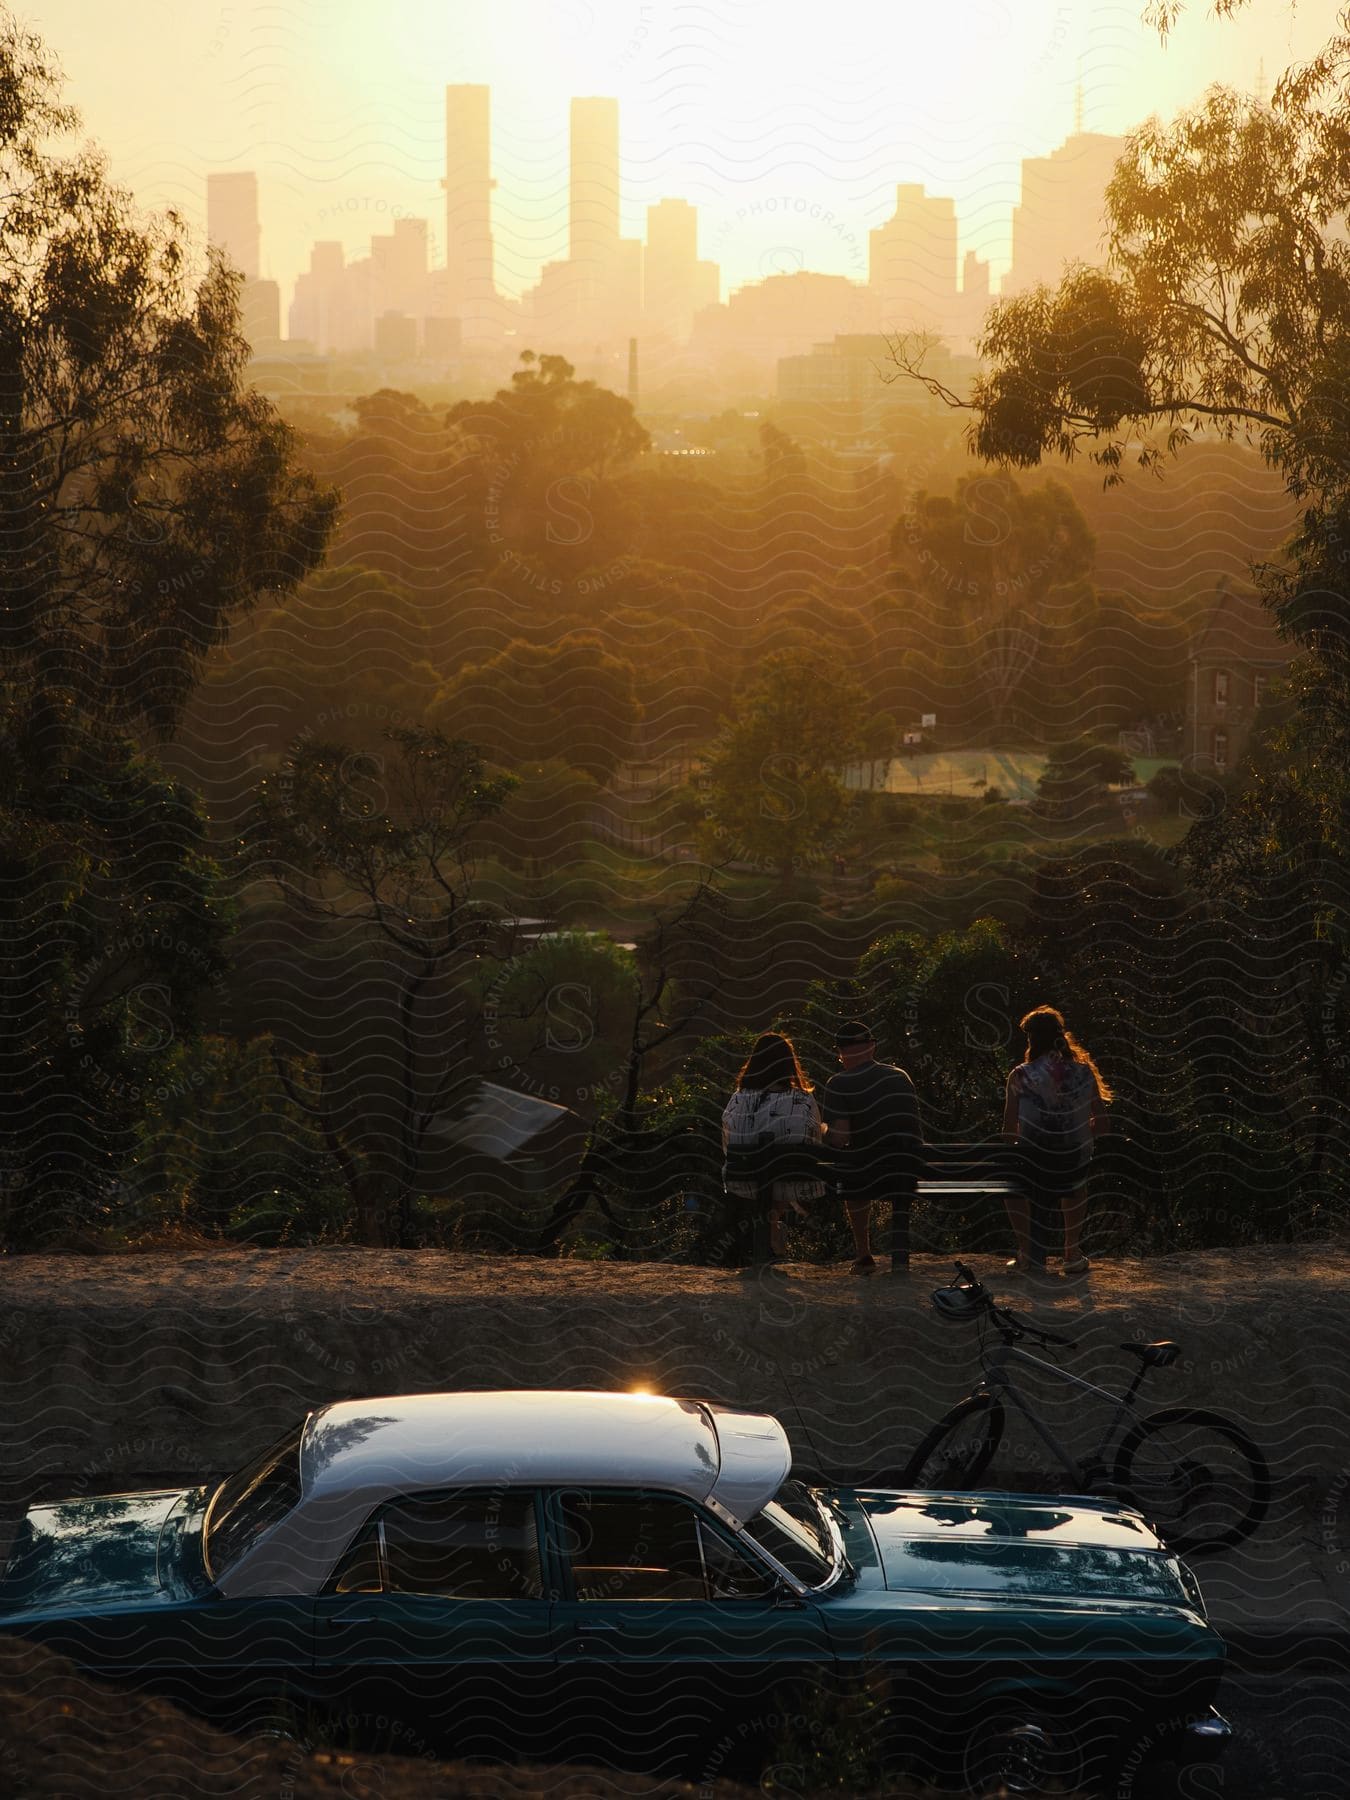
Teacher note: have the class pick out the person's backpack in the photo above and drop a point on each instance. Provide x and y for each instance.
(748, 1150)
(761, 1156)
(1054, 1130)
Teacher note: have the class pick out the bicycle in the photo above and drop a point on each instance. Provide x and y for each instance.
(1200, 1479)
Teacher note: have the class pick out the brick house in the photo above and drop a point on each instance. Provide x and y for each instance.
(1234, 657)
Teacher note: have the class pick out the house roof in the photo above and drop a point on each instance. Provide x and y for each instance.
(1240, 629)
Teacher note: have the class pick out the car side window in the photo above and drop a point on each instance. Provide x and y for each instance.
(651, 1547)
(732, 1575)
(464, 1545)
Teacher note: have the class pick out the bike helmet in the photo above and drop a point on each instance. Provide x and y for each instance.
(960, 1304)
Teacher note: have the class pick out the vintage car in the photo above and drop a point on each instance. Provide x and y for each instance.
(633, 1579)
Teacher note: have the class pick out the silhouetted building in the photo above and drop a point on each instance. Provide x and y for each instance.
(260, 316)
(232, 220)
(784, 315)
(973, 306)
(911, 265)
(593, 296)
(854, 370)
(675, 283)
(593, 188)
(396, 337)
(1235, 656)
(399, 268)
(469, 255)
(320, 306)
(1061, 217)
(441, 338)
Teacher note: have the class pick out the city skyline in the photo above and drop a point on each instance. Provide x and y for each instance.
(344, 125)
(608, 287)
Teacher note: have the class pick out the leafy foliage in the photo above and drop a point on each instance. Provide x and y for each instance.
(150, 499)
(149, 496)
(114, 920)
(570, 702)
(774, 794)
(375, 851)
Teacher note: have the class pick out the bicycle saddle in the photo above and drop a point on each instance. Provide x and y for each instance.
(1155, 1356)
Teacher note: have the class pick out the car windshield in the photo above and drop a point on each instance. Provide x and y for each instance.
(796, 1533)
(246, 1505)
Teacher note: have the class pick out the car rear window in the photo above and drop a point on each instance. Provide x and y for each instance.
(250, 1503)
(1033, 1570)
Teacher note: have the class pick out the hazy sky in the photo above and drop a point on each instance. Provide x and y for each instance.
(757, 110)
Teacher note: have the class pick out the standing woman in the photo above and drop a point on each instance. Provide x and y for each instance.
(771, 1142)
(1054, 1107)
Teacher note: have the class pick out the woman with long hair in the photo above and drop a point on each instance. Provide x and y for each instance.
(1054, 1107)
(770, 1142)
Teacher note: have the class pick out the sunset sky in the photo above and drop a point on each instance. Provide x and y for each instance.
(733, 104)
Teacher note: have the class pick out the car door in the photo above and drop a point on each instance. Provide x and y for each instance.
(433, 1634)
(679, 1650)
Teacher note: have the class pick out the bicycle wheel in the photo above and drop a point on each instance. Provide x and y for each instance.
(1198, 1477)
(960, 1447)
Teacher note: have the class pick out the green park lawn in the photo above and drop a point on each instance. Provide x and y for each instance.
(968, 772)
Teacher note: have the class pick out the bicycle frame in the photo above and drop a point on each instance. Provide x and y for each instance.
(996, 1377)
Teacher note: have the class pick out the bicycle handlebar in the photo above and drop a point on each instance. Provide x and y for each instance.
(1004, 1320)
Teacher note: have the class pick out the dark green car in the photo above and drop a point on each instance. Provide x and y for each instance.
(632, 1579)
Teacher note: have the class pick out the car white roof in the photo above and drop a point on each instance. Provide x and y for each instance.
(536, 1437)
(358, 1453)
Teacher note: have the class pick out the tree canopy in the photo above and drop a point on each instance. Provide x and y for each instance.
(571, 702)
(774, 793)
(150, 499)
(149, 496)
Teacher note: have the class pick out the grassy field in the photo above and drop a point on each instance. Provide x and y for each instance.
(968, 772)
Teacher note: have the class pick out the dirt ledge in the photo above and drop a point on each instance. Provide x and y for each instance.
(162, 1362)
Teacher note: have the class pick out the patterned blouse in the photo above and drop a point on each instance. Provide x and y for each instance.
(1054, 1103)
(790, 1116)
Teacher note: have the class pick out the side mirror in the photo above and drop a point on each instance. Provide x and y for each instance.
(785, 1597)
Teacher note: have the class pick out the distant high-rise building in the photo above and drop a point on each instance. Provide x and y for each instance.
(1061, 217)
(441, 338)
(675, 284)
(912, 262)
(320, 306)
(396, 337)
(593, 191)
(594, 294)
(232, 220)
(974, 306)
(975, 277)
(783, 315)
(260, 315)
(399, 268)
(469, 257)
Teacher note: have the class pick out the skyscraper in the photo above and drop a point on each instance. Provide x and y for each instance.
(469, 259)
(399, 268)
(593, 194)
(675, 284)
(1062, 213)
(912, 262)
(232, 220)
(319, 309)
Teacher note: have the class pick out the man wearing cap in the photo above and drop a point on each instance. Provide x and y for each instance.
(874, 1141)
